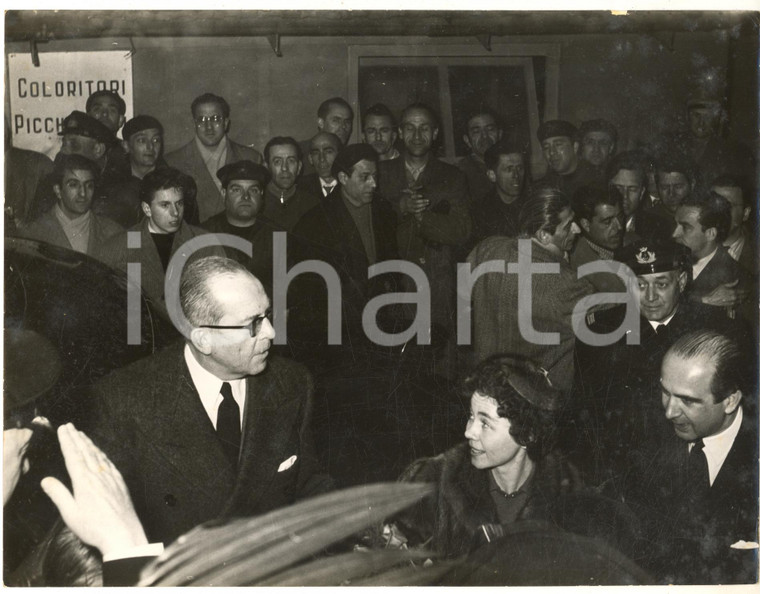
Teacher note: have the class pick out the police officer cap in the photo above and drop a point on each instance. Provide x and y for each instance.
(79, 123)
(554, 128)
(140, 123)
(32, 367)
(350, 155)
(654, 256)
(243, 170)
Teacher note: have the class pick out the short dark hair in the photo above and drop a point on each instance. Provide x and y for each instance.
(530, 426)
(211, 98)
(598, 125)
(324, 107)
(714, 211)
(195, 296)
(162, 179)
(674, 162)
(380, 110)
(282, 140)
(541, 210)
(723, 352)
(425, 107)
(727, 180)
(634, 160)
(477, 110)
(64, 163)
(120, 105)
(503, 147)
(586, 198)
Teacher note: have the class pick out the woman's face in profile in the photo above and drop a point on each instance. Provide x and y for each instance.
(491, 444)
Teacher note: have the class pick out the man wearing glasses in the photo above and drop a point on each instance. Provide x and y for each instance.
(209, 151)
(217, 427)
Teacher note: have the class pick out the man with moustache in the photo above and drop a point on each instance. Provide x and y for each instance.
(213, 428)
(285, 202)
(323, 149)
(209, 151)
(162, 232)
(482, 130)
(379, 130)
(243, 186)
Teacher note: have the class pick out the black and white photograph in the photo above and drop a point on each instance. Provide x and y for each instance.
(368, 297)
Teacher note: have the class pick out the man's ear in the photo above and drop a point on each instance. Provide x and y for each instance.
(300, 166)
(226, 125)
(745, 215)
(122, 119)
(342, 178)
(99, 149)
(585, 224)
(57, 191)
(576, 147)
(201, 339)
(320, 124)
(731, 403)
(491, 175)
(467, 141)
(125, 146)
(394, 137)
(435, 133)
(145, 208)
(711, 233)
(310, 159)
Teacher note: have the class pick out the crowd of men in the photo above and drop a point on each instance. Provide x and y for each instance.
(219, 427)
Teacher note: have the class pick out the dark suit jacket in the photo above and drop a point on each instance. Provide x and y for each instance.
(445, 225)
(154, 428)
(116, 254)
(188, 160)
(721, 269)
(47, 228)
(328, 233)
(692, 543)
(312, 184)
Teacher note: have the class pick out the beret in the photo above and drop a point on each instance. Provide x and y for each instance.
(243, 170)
(350, 155)
(140, 123)
(599, 125)
(553, 128)
(79, 123)
(654, 256)
(32, 367)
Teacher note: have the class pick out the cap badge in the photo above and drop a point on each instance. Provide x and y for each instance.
(645, 256)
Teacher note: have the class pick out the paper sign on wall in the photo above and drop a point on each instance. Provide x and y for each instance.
(42, 96)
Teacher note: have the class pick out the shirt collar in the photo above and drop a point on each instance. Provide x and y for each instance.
(700, 264)
(664, 322)
(209, 152)
(717, 446)
(208, 386)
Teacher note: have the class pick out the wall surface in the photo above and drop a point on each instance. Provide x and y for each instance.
(639, 82)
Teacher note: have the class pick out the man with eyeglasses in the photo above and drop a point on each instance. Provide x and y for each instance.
(209, 151)
(243, 186)
(217, 427)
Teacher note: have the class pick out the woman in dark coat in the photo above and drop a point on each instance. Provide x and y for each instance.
(505, 472)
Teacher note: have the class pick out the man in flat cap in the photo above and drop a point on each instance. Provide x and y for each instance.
(323, 149)
(81, 135)
(142, 145)
(243, 185)
(209, 151)
(619, 417)
(567, 172)
(598, 142)
(70, 223)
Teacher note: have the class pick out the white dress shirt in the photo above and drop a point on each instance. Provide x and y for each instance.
(717, 446)
(209, 386)
(700, 264)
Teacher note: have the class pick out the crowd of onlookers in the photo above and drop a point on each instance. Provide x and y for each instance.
(604, 317)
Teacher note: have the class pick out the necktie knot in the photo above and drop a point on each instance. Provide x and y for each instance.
(226, 391)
